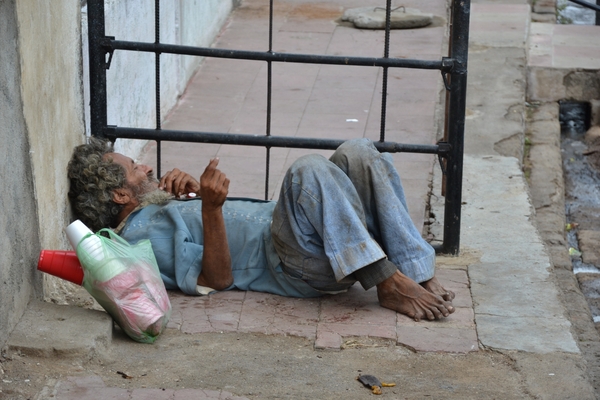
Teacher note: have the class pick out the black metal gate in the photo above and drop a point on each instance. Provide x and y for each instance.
(453, 69)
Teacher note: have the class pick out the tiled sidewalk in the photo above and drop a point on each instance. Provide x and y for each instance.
(332, 322)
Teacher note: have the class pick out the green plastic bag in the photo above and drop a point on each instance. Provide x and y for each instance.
(125, 280)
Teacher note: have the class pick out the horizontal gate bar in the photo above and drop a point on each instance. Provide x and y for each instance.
(445, 65)
(114, 132)
(591, 6)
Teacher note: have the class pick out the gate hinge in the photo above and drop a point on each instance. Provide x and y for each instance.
(447, 67)
(109, 132)
(107, 46)
(443, 149)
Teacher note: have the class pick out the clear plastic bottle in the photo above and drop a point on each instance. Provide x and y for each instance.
(92, 253)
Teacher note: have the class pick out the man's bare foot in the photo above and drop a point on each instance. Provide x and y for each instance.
(402, 294)
(434, 286)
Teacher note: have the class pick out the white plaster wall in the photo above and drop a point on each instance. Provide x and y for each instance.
(52, 105)
(42, 116)
(130, 79)
(50, 61)
(19, 242)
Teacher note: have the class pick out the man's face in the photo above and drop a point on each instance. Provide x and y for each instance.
(140, 178)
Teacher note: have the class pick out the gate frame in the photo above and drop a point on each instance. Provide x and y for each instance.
(453, 68)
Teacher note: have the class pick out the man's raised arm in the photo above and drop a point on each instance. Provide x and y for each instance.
(216, 260)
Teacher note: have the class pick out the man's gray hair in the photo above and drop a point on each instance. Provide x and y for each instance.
(93, 178)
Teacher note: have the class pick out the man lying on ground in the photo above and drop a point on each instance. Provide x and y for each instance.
(336, 222)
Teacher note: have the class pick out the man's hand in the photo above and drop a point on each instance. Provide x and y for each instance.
(216, 260)
(214, 186)
(178, 182)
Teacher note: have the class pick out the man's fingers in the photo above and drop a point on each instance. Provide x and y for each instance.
(214, 185)
(212, 176)
(176, 185)
(171, 181)
(212, 164)
(210, 170)
(165, 181)
(185, 184)
(219, 184)
(178, 182)
(222, 181)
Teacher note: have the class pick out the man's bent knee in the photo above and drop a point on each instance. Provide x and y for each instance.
(311, 165)
(355, 146)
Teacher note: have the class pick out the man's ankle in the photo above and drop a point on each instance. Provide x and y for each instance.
(375, 273)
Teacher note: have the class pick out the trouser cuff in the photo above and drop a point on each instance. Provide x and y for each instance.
(375, 273)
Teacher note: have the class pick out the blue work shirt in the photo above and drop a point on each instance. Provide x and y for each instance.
(176, 233)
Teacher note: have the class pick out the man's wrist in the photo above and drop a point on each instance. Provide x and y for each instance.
(212, 210)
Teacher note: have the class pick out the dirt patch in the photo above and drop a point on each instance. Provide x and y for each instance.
(254, 9)
(316, 11)
(260, 10)
(266, 367)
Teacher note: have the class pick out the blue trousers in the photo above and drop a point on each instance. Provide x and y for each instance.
(337, 216)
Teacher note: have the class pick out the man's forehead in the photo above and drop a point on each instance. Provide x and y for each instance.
(119, 159)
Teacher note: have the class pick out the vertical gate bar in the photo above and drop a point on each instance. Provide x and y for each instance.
(97, 59)
(386, 54)
(383, 104)
(443, 161)
(269, 87)
(456, 124)
(268, 133)
(269, 69)
(157, 81)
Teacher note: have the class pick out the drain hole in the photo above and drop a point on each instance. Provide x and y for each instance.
(574, 117)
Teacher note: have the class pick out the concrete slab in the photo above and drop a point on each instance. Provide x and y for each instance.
(499, 25)
(48, 330)
(563, 62)
(516, 301)
(531, 334)
(495, 92)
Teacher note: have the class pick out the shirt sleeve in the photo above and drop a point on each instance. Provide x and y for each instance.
(187, 262)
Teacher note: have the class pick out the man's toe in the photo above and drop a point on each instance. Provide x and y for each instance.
(433, 314)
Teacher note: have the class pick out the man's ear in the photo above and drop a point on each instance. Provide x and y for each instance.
(122, 196)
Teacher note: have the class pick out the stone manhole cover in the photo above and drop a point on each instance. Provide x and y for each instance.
(374, 18)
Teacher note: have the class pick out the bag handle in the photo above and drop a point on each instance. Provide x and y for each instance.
(112, 235)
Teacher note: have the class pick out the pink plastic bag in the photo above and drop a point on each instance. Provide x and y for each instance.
(126, 282)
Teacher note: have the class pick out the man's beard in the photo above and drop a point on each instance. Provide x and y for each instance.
(156, 196)
(147, 192)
